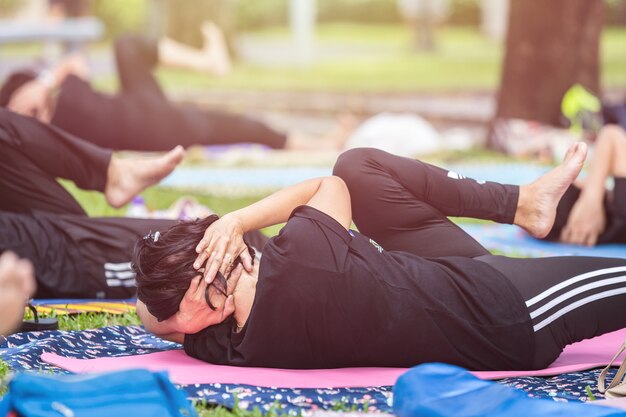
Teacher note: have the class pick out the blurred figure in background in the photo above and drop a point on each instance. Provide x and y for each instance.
(140, 117)
(59, 10)
(423, 16)
(588, 214)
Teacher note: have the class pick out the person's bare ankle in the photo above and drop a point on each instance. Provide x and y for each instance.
(128, 177)
(538, 201)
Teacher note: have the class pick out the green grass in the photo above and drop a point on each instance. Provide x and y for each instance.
(370, 58)
(379, 58)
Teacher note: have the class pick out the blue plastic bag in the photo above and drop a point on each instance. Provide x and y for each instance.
(440, 390)
(126, 393)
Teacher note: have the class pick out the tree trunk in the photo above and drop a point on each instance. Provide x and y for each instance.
(550, 46)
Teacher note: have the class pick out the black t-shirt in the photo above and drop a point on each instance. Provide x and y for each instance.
(330, 298)
(56, 258)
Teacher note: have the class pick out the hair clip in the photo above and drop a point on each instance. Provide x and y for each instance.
(154, 236)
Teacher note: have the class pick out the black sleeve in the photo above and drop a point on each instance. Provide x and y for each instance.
(211, 344)
(311, 238)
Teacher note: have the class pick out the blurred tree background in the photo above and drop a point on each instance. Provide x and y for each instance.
(360, 45)
(184, 16)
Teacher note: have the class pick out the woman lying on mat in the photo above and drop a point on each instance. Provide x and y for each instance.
(588, 214)
(17, 285)
(324, 296)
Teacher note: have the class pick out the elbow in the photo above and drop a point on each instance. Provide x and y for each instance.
(335, 182)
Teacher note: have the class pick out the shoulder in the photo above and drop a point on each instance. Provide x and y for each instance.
(309, 238)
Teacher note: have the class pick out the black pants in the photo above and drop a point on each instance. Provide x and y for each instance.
(73, 255)
(403, 204)
(140, 117)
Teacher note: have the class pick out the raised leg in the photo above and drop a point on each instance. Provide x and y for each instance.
(136, 57)
(212, 58)
(403, 204)
(34, 154)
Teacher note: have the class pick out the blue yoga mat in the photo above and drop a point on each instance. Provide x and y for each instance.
(509, 173)
(515, 242)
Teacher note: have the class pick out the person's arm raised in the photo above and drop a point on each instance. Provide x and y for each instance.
(223, 241)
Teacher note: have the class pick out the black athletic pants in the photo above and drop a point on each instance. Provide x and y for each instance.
(140, 117)
(73, 255)
(403, 204)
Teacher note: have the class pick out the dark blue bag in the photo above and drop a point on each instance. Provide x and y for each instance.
(439, 390)
(126, 393)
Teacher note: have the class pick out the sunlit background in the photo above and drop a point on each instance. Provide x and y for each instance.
(300, 63)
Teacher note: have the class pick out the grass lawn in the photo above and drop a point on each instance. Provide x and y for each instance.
(378, 58)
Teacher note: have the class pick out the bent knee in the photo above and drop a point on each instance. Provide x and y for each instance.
(354, 164)
(612, 133)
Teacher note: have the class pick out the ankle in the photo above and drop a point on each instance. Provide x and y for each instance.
(113, 171)
(524, 205)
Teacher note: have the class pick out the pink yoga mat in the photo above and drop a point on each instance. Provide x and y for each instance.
(183, 369)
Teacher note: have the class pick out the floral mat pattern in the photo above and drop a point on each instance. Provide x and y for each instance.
(22, 352)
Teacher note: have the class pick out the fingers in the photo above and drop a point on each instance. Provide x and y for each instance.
(577, 236)
(18, 274)
(229, 307)
(195, 287)
(202, 245)
(204, 250)
(246, 260)
(233, 279)
(227, 264)
(26, 271)
(221, 259)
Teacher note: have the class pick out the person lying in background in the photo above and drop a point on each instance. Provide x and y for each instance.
(419, 290)
(73, 255)
(589, 214)
(17, 285)
(140, 117)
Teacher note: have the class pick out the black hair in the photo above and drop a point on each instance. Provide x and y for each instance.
(163, 263)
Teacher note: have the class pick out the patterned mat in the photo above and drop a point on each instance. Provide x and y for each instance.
(22, 352)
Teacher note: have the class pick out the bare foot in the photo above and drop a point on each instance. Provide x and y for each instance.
(129, 176)
(536, 208)
(218, 59)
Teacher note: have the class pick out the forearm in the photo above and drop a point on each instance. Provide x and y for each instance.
(598, 170)
(223, 240)
(70, 65)
(276, 208)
